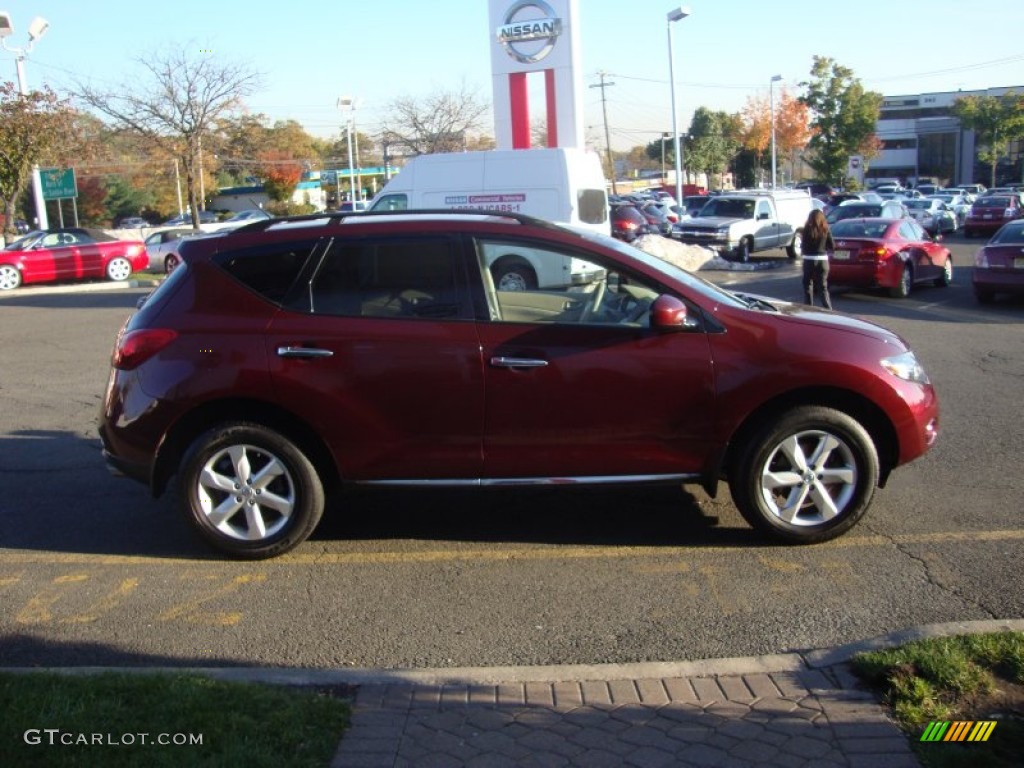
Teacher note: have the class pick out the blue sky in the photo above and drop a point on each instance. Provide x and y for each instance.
(311, 52)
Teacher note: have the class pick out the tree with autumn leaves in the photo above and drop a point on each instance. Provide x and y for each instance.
(792, 129)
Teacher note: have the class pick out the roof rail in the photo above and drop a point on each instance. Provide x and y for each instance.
(337, 217)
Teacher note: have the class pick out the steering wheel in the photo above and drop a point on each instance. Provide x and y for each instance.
(641, 308)
(594, 304)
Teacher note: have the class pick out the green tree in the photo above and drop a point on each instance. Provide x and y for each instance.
(996, 120)
(844, 117)
(712, 142)
(34, 128)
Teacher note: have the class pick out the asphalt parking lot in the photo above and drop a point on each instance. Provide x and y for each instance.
(93, 571)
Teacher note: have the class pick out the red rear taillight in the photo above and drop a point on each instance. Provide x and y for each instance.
(876, 253)
(136, 347)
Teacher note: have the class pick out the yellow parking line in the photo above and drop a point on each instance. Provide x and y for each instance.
(504, 554)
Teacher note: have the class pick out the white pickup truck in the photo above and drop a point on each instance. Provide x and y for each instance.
(740, 223)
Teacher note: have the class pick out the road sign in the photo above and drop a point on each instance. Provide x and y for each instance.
(58, 183)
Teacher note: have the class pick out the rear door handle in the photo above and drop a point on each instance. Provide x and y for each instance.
(305, 352)
(517, 362)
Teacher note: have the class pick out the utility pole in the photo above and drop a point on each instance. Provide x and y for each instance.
(607, 138)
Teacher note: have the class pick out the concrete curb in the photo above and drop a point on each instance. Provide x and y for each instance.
(48, 290)
(749, 665)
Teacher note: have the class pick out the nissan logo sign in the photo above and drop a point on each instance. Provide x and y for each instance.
(528, 39)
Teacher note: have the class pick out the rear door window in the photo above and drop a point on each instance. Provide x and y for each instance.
(411, 278)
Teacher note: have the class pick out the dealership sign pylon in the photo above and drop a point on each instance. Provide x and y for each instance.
(536, 36)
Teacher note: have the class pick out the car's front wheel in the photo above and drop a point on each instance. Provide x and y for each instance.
(250, 491)
(10, 277)
(946, 278)
(119, 269)
(808, 476)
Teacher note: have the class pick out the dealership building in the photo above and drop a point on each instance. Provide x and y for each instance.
(920, 138)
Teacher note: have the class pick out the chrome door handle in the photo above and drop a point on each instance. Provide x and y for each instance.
(517, 362)
(303, 352)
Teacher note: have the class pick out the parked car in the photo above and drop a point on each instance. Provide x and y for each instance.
(990, 212)
(353, 205)
(162, 249)
(628, 223)
(957, 203)
(933, 215)
(71, 253)
(999, 264)
(657, 217)
(185, 219)
(133, 222)
(853, 209)
(279, 363)
(895, 254)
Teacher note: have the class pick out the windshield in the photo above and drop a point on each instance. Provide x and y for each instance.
(731, 208)
(680, 275)
(25, 241)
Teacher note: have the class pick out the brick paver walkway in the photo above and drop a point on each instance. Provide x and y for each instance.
(788, 719)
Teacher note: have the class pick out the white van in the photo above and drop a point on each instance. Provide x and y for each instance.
(562, 185)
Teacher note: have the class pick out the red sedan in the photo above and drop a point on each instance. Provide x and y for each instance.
(73, 253)
(888, 253)
(990, 212)
(999, 264)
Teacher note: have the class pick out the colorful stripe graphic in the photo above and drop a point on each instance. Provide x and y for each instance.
(958, 730)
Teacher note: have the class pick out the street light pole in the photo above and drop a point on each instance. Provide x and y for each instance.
(348, 103)
(771, 96)
(675, 15)
(36, 30)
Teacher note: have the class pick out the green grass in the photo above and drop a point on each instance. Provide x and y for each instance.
(239, 724)
(970, 677)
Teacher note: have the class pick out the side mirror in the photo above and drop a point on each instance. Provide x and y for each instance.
(670, 314)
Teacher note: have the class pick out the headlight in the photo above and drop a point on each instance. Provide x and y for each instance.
(905, 367)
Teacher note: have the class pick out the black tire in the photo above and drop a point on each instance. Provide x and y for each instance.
(257, 464)
(514, 275)
(984, 297)
(171, 262)
(829, 498)
(743, 251)
(946, 278)
(796, 248)
(903, 288)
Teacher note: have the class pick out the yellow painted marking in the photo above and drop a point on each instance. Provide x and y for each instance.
(6, 581)
(104, 604)
(190, 609)
(510, 554)
(729, 599)
(37, 610)
(784, 566)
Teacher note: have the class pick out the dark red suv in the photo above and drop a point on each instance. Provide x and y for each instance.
(285, 359)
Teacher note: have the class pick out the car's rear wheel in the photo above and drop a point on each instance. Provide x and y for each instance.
(10, 277)
(807, 477)
(171, 262)
(250, 491)
(119, 269)
(902, 289)
(946, 278)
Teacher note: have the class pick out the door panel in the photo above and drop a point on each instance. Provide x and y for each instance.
(606, 401)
